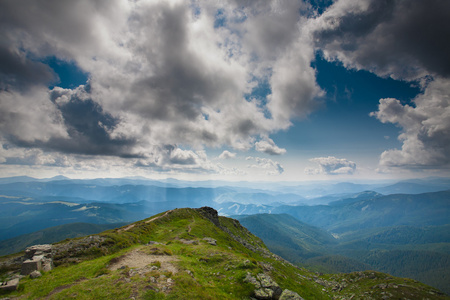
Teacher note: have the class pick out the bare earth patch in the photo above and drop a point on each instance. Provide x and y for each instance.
(137, 259)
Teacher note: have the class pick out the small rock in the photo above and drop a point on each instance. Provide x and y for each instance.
(153, 243)
(210, 241)
(265, 287)
(264, 294)
(10, 285)
(35, 274)
(290, 295)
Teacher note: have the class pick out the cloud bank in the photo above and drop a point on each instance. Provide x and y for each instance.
(331, 166)
(169, 79)
(161, 74)
(403, 40)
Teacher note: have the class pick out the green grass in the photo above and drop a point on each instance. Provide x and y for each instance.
(203, 271)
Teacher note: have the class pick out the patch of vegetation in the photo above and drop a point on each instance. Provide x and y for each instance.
(199, 270)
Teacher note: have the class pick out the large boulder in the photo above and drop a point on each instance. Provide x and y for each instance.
(37, 258)
(265, 287)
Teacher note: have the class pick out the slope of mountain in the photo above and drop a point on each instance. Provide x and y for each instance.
(288, 237)
(193, 254)
(52, 235)
(422, 253)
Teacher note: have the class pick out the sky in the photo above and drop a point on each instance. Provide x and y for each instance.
(230, 90)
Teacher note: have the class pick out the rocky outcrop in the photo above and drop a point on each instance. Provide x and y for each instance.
(266, 288)
(37, 258)
(210, 213)
(210, 241)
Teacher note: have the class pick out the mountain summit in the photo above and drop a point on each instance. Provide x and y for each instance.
(191, 254)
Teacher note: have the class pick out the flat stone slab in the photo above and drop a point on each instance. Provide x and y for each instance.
(10, 285)
(45, 250)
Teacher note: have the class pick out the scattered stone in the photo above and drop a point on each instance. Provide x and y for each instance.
(45, 250)
(264, 294)
(10, 285)
(37, 258)
(265, 266)
(153, 243)
(265, 287)
(210, 241)
(290, 295)
(188, 242)
(35, 274)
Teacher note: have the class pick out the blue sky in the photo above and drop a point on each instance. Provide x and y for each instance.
(273, 90)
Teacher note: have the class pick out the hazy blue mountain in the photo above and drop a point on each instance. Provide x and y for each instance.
(391, 210)
(234, 208)
(414, 187)
(399, 235)
(52, 235)
(422, 253)
(24, 215)
(366, 195)
(7, 180)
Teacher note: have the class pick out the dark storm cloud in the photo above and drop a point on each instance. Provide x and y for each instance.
(19, 72)
(180, 82)
(88, 126)
(405, 39)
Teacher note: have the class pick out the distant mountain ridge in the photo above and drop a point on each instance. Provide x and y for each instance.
(52, 235)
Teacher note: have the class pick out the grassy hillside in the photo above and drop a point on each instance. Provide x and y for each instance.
(422, 253)
(191, 254)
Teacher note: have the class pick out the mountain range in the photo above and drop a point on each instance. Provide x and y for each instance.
(191, 254)
(346, 228)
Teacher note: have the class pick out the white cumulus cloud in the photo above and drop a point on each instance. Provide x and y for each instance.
(271, 167)
(268, 146)
(227, 155)
(160, 73)
(425, 128)
(331, 166)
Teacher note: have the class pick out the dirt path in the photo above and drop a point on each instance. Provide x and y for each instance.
(146, 222)
(138, 260)
(156, 218)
